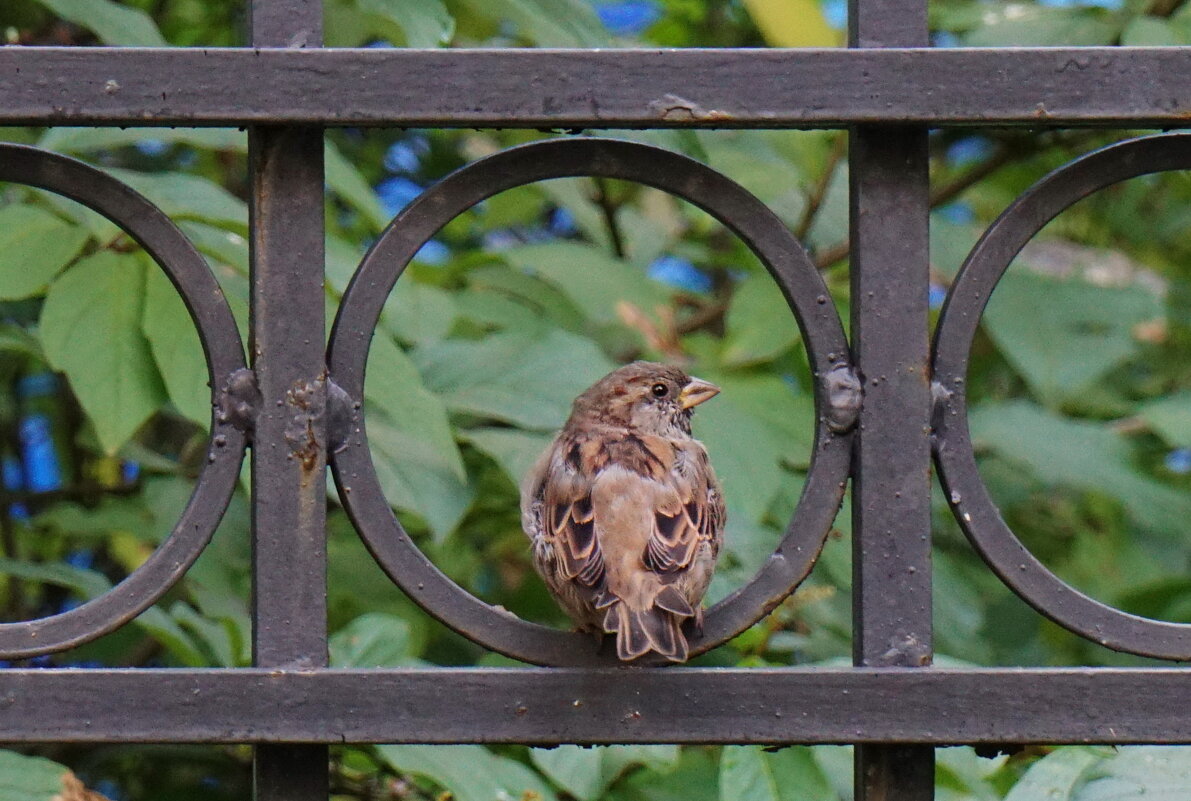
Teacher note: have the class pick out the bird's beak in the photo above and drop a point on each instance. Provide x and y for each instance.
(696, 391)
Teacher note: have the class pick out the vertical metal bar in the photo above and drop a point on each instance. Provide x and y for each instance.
(891, 485)
(287, 354)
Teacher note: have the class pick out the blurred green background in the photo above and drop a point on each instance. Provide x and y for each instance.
(1080, 389)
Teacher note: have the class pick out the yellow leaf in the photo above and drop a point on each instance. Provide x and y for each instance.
(793, 23)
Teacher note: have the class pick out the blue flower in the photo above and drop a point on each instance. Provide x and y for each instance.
(679, 272)
(1179, 461)
(628, 17)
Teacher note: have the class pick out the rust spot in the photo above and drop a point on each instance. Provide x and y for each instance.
(306, 404)
(673, 108)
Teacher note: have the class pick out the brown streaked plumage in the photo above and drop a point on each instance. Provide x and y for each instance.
(625, 513)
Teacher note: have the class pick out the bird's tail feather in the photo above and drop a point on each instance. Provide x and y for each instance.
(657, 628)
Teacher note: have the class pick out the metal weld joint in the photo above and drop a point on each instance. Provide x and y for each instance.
(239, 401)
(842, 395)
(343, 414)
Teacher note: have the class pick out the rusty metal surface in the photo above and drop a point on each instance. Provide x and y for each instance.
(974, 509)
(224, 352)
(638, 88)
(928, 706)
(889, 213)
(836, 400)
(289, 453)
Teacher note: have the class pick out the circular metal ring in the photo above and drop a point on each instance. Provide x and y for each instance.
(722, 198)
(189, 273)
(973, 507)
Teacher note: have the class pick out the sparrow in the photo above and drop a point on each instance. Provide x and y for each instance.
(624, 512)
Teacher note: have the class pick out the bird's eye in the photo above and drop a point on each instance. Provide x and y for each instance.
(659, 390)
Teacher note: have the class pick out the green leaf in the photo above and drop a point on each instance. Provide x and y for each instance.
(1144, 773)
(86, 140)
(576, 770)
(469, 772)
(188, 197)
(1079, 454)
(113, 23)
(759, 325)
(693, 778)
(88, 584)
(372, 640)
(513, 449)
(174, 342)
(1170, 417)
(526, 380)
(418, 477)
(594, 281)
(1063, 334)
(417, 312)
(91, 330)
(1017, 24)
(1055, 776)
(394, 389)
(748, 773)
(751, 429)
(30, 778)
(547, 23)
(426, 23)
(34, 247)
(1153, 32)
(347, 182)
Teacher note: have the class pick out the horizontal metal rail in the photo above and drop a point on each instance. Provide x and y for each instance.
(564, 705)
(711, 88)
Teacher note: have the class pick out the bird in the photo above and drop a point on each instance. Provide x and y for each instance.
(624, 513)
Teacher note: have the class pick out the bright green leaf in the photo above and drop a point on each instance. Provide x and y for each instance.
(1062, 334)
(174, 342)
(513, 449)
(188, 197)
(1079, 454)
(426, 23)
(748, 773)
(759, 324)
(91, 330)
(1170, 417)
(34, 247)
(1139, 773)
(525, 380)
(593, 280)
(469, 772)
(31, 778)
(373, 640)
(347, 182)
(573, 768)
(547, 23)
(114, 23)
(1055, 776)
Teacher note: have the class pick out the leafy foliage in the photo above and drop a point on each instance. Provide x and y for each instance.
(1080, 389)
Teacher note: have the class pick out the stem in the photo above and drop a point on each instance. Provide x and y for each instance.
(819, 192)
(604, 200)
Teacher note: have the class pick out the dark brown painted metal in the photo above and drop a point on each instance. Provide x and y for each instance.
(639, 88)
(891, 528)
(189, 273)
(974, 509)
(565, 705)
(893, 705)
(289, 554)
(741, 212)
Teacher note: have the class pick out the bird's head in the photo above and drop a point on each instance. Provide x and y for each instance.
(647, 397)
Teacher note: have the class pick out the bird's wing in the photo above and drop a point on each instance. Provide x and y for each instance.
(568, 520)
(687, 516)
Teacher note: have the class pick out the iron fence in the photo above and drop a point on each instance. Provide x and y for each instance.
(300, 407)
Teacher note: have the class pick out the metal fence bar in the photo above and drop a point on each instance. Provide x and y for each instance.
(538, 705)
(596, 89)
(891, 593)
(289, 454)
